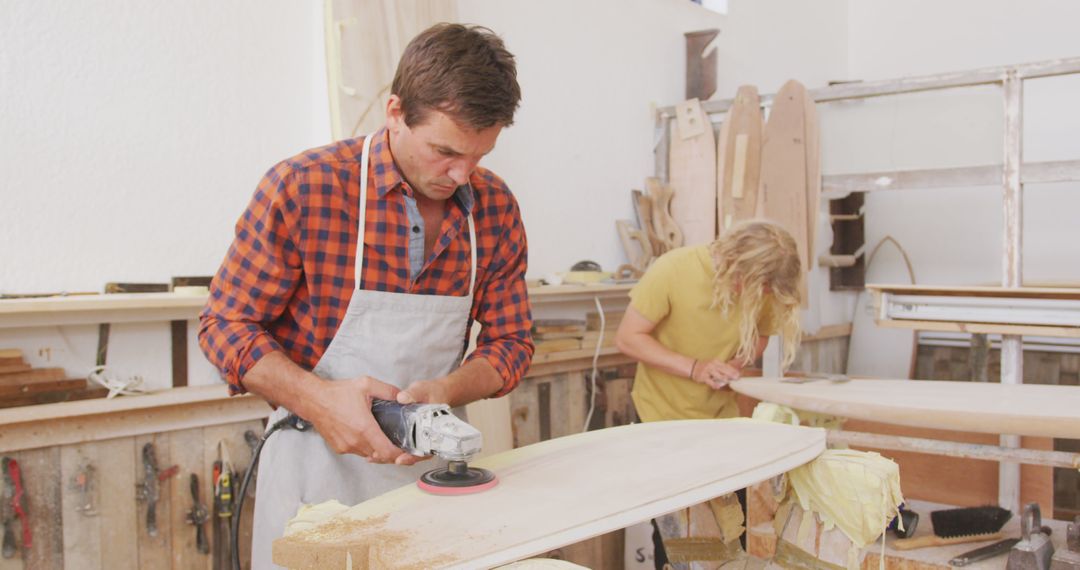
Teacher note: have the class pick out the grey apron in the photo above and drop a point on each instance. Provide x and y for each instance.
(397, 338)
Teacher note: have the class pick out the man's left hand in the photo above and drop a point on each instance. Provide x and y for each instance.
(421, 392)
(424, 392)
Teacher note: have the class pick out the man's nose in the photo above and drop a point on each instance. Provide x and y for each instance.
(460, 170)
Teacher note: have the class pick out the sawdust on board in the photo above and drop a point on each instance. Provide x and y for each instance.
(366, 541)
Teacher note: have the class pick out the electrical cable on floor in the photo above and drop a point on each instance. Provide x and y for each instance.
(595, 364)
(290, 421)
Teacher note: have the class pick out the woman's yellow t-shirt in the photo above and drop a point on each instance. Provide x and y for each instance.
(676, 293)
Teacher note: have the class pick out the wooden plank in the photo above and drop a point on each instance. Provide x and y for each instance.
(525, 413)
(82, 534)
(665, 226)
(41, 476)
(563, 491)
(46, 398)
(1022, 409)
(949, 80)
(981, 328)
(989, 177)
(577, 399)
(739, 159)
(38, 387)
(92, 420)
(619, 409)
(693, 174)
(783, 192)
(1064, 293)
(187, 453)
(116, 478)
(179, 354)
(32, 376)
(11, 368)
(813, 177)
(154, 551)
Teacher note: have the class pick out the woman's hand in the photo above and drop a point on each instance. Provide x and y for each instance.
(715, 374)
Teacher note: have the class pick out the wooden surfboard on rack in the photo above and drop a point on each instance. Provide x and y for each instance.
(738, 159)
(692, 173)
(1021, 409)
(557, 492)
(783, 191)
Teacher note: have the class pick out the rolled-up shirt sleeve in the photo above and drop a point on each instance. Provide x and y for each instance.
(503, 309)
(255, 282)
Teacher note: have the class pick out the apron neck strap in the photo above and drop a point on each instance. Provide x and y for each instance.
(361, 223)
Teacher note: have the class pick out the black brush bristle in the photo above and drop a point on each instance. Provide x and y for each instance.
(966, 521)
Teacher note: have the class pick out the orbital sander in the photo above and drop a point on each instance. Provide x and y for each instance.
(432, 429)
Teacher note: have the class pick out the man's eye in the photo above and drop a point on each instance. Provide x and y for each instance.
(446, 152)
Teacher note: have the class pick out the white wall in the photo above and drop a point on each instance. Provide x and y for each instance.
(133, 133)
(590, 72)
(955, 236)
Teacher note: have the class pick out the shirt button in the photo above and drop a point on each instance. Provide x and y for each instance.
(416, 229)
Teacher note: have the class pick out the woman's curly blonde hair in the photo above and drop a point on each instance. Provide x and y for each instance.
(757, 262)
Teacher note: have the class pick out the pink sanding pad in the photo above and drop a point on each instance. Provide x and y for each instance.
(456, 490)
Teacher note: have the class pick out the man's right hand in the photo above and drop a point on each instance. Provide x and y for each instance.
(341, 413)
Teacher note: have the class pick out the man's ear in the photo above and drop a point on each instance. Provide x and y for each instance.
(395, 114)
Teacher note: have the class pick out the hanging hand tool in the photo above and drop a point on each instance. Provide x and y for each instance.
(223, 508)
(83, 484)
(14, 507)
(198, 516)
(149, 490)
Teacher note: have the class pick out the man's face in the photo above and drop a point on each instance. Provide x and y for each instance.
(437, 155)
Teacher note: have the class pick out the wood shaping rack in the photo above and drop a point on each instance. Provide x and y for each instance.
(1011, 176)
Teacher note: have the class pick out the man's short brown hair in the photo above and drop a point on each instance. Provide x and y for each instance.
(463, 71)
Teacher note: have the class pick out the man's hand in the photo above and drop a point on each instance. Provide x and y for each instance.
(425, 392)
(342, 416)
(715, 374)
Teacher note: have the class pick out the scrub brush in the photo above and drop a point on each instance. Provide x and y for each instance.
(957, 526)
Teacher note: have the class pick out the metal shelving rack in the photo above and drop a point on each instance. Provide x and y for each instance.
(1012, 174)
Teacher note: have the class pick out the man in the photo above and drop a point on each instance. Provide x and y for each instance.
(319, 326)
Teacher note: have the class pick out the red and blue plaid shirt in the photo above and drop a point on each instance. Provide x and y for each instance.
(287, 278)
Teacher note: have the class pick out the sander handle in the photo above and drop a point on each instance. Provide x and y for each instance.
(393, 419)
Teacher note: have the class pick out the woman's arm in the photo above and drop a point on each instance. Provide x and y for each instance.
(635, 340)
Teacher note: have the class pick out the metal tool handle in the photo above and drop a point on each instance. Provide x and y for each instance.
(990, 551)
(151, 518)
(1031, 521)
(392, 418)
(9, 540)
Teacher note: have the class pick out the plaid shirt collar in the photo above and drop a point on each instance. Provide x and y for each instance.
(388, 177)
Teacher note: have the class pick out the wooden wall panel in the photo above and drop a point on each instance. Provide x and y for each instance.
(43, 488)
(82, 533)
(187, 453)
(116, 477)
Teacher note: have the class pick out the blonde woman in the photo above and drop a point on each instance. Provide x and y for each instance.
(701, 314)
